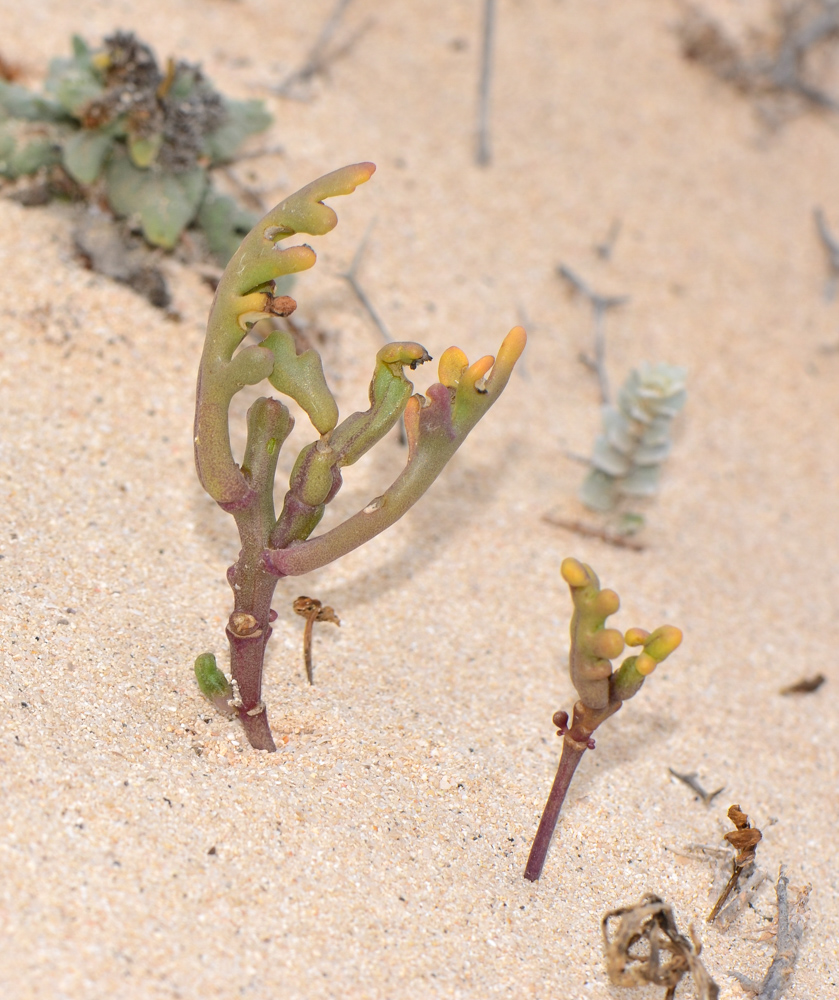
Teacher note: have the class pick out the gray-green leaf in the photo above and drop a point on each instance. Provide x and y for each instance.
(244, 118)
(85, 154)
(225, 223)
(164, 203)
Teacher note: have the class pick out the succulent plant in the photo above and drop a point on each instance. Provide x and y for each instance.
(274, 547)
(110, 117)
(601, 690)
(628, 455)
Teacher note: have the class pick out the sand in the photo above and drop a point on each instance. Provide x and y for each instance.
(147, 851)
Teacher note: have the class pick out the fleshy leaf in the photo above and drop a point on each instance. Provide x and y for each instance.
(300, 376)
(165, 203)
(432, 440)
(85, 153)
(18, 102)
(19, 159)
(592, 644)
(143, 150)
(74, 83)
(224, 223)
(244, 118)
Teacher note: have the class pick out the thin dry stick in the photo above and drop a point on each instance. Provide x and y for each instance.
(790, 931)
(483, 152)
(590, 531)
(351, 277)
(604, 249)
(744, 839)
(785, 71)
(831, 245)
(319, 57)
(313, 611)
(249, 195)
(691, 781)
(779, 70)
(600, 305)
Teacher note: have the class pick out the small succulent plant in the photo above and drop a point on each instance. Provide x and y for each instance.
(146, 137)
(601, 690)
(275, 547)
(628, 455)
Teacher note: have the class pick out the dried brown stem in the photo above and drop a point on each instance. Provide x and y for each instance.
(744, 839)
(590, 531)
(313, 611)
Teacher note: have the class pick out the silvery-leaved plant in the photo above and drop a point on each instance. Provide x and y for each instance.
(274, 547)
(142, 136)
(635, 440)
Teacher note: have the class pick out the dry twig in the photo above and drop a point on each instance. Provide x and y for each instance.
(778, 68)
(351, 277)
(831, 245)
(591, 531)
(604, 249)
(600, 304)
(744, 839)
(792, 921)
(483, 152)
(691, 781)
(313, 611)
(320, 55)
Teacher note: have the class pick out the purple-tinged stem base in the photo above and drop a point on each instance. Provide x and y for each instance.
(572, 753)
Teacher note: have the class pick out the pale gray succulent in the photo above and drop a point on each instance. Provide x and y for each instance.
(635, 441)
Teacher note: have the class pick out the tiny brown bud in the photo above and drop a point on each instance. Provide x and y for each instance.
(243, 624)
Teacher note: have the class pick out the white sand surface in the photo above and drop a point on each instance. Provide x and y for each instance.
(146, 851)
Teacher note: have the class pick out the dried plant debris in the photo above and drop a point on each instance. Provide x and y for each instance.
(740, 899)
(324, 52)
(792, 921)
(313, 611)
(807, 685)
(617, 539)
(646, 948)
(744, 839)
(781, 61)
(692, 782)
(831, 246)
(600, 305)
(110, 248)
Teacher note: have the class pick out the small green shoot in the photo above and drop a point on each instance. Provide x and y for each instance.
(601, 690)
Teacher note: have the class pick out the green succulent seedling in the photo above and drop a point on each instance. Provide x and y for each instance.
(111, 117)
(273, 547)
(602, 690)
(635, 441)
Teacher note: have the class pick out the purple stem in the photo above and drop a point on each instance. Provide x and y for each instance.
(572, 753)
